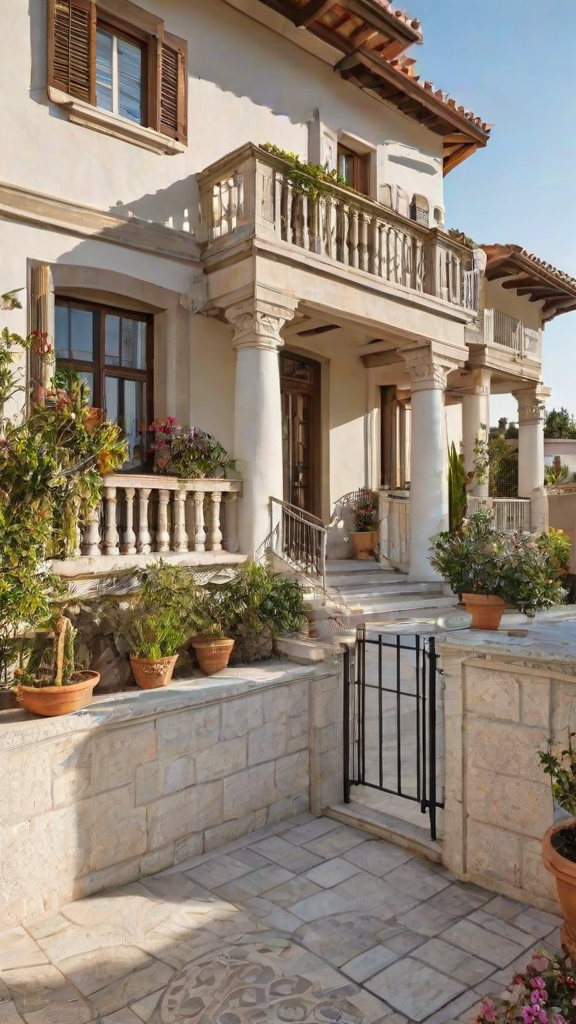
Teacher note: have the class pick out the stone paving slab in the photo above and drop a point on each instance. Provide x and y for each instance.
(305, 920)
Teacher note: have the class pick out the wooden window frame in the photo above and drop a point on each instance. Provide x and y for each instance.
(313, 389)
(163, 128)
(361, 168)
(98, 366)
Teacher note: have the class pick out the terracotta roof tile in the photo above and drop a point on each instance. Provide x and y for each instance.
(406, 66)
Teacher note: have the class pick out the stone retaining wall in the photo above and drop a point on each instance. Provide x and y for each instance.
(505, 700)
(142, 781)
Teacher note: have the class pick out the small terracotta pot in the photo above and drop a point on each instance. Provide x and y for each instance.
(486, 610)
(365, 543)
(151, 673)
(212, 655)
(59, 700)
(564, 872)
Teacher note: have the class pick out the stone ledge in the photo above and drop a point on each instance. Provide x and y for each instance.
(550, 638)
(18, 728)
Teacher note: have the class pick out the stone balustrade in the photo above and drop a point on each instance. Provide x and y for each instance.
(250, 192)
(150, 514)
(510, 333)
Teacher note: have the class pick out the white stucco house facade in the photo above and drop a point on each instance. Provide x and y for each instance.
(330, 341)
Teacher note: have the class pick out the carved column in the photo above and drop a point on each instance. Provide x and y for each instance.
(476, 424)
(41, 319)
(428, 370)
(258, 415)
(531, 415)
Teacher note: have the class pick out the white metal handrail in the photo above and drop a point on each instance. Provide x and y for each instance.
(510, 514)
(148, 513)
(299, 537)
(510, 333)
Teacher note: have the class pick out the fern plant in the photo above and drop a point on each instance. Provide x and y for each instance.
(155, 633)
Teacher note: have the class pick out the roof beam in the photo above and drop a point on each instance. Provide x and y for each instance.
(556, 305)
(520, 282)
(312, 10)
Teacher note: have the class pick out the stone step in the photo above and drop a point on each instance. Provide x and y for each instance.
(386, 826)
(360, 579)
(393, 592)
(349, 565)
(387, 612)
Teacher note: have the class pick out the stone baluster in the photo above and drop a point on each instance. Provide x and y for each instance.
(406, 260)
(419, 270)
(374, 246)
(91, 539)
(363, 241)
(331, 227)
(382, 249)
(287, 204)
(298, 221)
(111, 538)
(180, 538)
(341, 234)
(305, 208)
(199, 531)
(129, 537)
(162, 533)
(144, 543)
(215, 531)
(353, 217)
(315, 241)
(231, 522)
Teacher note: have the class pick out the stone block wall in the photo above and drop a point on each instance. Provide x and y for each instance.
(140, 782)
(501, 709)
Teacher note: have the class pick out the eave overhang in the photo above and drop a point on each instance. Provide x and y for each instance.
(526, 274)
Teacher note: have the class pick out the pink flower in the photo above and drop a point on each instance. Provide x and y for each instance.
(537, 983)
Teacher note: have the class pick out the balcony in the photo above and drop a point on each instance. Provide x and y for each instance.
(251, 194)
(506, 332)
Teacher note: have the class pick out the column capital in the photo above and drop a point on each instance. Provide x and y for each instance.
(428, 367)
(531, 401)
(257, 324)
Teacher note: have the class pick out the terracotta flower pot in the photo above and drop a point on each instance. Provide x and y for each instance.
(212, 655)
(564, 872)
(151, 673)
(59, 700)
(486, 610)
(364, 543)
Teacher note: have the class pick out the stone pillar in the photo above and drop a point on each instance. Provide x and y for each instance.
(428, 456)
(42, 361)
(476, 423)
(257, 416)
(531, 416)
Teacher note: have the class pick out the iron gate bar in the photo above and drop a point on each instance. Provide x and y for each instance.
(356, 684)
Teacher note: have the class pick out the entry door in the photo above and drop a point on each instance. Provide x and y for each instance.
(300, 387)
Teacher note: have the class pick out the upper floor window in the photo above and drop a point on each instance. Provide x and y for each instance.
(354, 168)
(132, 68)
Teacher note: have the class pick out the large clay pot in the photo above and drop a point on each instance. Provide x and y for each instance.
(150, 673)
(365, 543)
(212, 655)
(59, 700)
(486, 610)
(564, 872)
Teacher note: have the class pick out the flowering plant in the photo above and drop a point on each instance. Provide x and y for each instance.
(187, 451)
(544, 994)
(365, 511)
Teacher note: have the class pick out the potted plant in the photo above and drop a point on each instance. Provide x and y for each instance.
(489, 569)
(542, 992)
(49, 685)
(365, 516)
(261, 606)
(154, 637)
(559, 843)
(211, 642)
(187, 452)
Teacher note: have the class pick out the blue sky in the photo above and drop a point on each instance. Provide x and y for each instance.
(512, 62)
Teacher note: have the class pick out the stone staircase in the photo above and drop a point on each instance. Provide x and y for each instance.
(360, 591)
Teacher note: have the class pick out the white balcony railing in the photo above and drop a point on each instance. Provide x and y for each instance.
(510, 333)
(143, 514)
(510, 514)
(251, 192)
(395, 529)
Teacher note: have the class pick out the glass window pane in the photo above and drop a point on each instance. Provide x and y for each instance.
(111, 403)
(134, 344)
(112, 340)
(81, 335)
(134, 421)
(62, 335)
(129, 80)
(104, 45)
(89, 378)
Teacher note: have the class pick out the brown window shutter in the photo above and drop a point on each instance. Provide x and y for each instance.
(72, 47)
(174, 88)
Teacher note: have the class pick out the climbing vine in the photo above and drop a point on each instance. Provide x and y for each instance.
(307, 179)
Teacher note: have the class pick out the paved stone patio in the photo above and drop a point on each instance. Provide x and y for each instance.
(305, 921)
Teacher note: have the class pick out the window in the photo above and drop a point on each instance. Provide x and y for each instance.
(133, 69)
(111, 349)
(353, 167)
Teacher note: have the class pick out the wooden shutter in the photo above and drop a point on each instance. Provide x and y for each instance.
(72, 47)
(173, 119)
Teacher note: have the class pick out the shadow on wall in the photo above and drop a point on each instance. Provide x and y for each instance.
(339, 542)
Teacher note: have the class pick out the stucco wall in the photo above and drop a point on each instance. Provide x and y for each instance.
(246, 83)
(519, 306)
(137, 783)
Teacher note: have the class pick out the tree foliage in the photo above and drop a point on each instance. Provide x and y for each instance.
(559, 423)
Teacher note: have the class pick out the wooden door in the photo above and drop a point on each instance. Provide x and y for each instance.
(300, 388)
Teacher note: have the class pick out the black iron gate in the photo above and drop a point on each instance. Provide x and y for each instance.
(391, 721)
